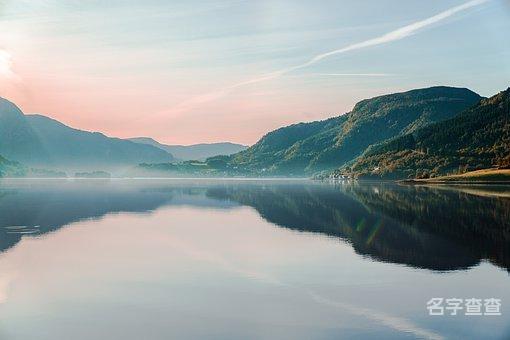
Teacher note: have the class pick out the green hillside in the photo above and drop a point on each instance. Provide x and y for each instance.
(478, 138)
(306, 148)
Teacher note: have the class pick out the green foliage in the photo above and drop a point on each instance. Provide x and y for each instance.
(476, 139)
(306, 148)
(184, 169)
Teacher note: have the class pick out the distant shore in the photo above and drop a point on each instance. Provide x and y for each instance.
(486, 176)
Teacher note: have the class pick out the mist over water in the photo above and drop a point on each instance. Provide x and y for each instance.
(159, 259)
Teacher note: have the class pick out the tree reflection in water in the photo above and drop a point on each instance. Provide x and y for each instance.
(432, 228)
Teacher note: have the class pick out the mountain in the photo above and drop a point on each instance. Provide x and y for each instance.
(475, 139)
(90, 149)
(195, 151)
(39, 141)
(305, 148)
(18, 141)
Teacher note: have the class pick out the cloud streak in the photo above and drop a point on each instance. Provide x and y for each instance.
(352, 74)
(398, 34)
(394, 322)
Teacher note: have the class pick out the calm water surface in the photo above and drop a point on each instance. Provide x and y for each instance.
(156, 259)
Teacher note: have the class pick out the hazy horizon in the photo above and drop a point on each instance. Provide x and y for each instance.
(230, 71)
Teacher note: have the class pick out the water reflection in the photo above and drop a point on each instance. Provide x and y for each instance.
(38, 207)
(422, 227)
(431, 228)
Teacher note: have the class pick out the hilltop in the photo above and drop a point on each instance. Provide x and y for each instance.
(478, 138)
(307, 148)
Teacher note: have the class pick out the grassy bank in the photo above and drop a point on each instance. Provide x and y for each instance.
(479, 176)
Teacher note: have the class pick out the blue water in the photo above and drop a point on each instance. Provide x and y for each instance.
(162, 259)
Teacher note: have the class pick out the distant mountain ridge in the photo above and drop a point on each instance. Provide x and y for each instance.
(39, 141)
(307, 148)
(477, 138)
(422, 132)
(196, 151)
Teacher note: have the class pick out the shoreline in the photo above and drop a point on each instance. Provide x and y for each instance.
(492, 176)
(451, 182)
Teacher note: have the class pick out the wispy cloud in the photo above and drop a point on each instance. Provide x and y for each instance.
(351, 74)
(394, 322)
(398, 34)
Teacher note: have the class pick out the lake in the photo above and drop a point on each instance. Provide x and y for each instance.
(250, 259)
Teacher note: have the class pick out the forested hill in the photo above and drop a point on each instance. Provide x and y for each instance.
(478, 138)
(306, 148)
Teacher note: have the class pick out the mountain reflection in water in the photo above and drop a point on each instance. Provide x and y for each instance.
(432, 228)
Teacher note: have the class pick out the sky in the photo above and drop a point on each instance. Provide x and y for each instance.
(194, 71)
